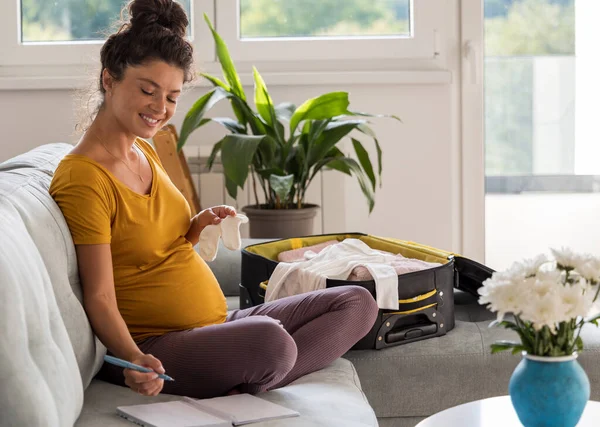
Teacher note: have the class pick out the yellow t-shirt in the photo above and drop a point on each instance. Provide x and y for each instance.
(162, 284)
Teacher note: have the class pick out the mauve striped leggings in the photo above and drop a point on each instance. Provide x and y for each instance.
(263, 347)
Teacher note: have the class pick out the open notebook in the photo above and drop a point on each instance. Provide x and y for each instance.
(237, 410)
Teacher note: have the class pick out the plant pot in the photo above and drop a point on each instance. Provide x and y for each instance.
(549, 391)
(280, 223)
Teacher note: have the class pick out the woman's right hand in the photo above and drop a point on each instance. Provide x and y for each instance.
(147, 384)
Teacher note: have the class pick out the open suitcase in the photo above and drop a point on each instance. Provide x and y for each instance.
(426, 297)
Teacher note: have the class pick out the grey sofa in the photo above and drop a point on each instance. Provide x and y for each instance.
(49, 356)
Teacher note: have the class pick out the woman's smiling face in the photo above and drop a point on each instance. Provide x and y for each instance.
(146, 98)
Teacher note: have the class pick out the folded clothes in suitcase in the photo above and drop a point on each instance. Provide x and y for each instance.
(425, 297)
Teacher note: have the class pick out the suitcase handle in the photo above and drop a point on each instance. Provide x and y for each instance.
(262, 289)
(416, 331)
(410, 327)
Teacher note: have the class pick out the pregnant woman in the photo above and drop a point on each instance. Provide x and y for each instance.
(150, 297)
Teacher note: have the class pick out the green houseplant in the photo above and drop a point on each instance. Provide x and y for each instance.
(281, 160)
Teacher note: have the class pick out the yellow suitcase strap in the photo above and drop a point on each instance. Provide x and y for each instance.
(428, 249)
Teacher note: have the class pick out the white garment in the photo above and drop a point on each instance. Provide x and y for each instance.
(336, 262)
(228, 230)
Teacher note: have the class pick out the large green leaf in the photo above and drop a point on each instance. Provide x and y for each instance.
(262, 99)
(332, 155)
(285, 111)
(323, 107)
(231, 187)
(332, 134)
(279, 132)
(213, 154)
(281, 185)
(267, 150)
(315, 128)
(266, 173)
(256, 123)
(193, 118)
(237, 153)
(266, 110)
(354, 113)
(365, 161)
(368, 131)
(295, 162)
(230, 73)
(336, 152)
(338, 166)
(360, 175)
(229, 124)
(216, 81)
(227, 64)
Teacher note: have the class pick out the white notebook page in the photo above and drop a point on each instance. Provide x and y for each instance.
(244, 408)
(172, 414)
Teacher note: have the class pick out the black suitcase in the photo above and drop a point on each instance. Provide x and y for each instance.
(426, 298)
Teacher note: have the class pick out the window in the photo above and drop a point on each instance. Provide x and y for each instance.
(542, 176)
(70, 20)
(530, 87)
(324, 18)
(326, 29)
(531, 121)
(70, 32)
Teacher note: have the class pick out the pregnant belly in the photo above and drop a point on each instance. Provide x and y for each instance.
(175, 299)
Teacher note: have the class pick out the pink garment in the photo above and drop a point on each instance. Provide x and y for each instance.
(402, 264)
(296, 255)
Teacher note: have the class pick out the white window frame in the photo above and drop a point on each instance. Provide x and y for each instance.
(420, 45)
(15, 53)
(386, 60)
(472, 130)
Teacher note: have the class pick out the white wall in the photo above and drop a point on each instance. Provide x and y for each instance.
(420, 198)
(32, 118)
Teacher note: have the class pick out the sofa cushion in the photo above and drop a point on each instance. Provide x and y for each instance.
(41, 382)
(233, 303)
(452, 369)
(329, 398)
(24, 184)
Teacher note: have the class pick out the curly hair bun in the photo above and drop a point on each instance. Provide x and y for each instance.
(166, 13)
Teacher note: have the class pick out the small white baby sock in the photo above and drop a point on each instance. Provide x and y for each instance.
(209, 242)
(230, 231)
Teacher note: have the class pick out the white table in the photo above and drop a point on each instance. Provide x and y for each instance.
(496, 412)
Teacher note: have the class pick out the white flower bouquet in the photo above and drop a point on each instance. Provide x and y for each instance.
(550, 300)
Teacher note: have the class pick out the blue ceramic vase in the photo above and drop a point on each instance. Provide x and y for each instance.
(549, 391)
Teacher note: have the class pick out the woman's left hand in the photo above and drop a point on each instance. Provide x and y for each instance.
(214, 215)
(210, 216)
(222, 212)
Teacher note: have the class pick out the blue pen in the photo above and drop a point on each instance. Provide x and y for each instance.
(125, 364)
